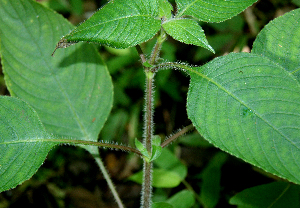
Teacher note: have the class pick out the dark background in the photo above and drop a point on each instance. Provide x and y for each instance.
(70, 178)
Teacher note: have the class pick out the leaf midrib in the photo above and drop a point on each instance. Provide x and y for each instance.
(191, 4)
(71, 107)
(240, 101)
(108, 21)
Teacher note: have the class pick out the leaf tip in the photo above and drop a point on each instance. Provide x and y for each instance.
(63, 43)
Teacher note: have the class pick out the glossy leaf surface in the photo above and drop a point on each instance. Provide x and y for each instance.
(212, 11)
(281, 46)
(249, 106)
(187, 31)
(71, 92)
(275, 195)
(24, 142)
(120, 24)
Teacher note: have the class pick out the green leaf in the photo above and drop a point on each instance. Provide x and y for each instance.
(24, 142)
(71, 92)
(182, 199)
(161, 178)
(156, 152)
(156, 148)
(141, 148)
(249, 106)
(275, 195)
(211, 177)
(156, 140)
(146, 64)
(212, 11)
(161, 205)
(297, 2)
(169, 161)
(187, 31)
(281, 46)
(165, 9)
(120, 24)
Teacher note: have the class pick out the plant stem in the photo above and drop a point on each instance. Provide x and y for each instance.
(98, 144)
(148, 117)
(156, 49)
(178, 134)
(110, 184)
(148, 128)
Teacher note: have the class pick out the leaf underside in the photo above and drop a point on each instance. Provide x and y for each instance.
(72, 92)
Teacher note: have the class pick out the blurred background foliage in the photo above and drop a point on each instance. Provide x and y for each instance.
(204, 176)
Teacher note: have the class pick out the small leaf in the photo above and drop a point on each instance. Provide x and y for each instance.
(24, 142)
(161, 178)
(141, 148)
(156, 148)
(182, 199)
(281, 46)
(120, 24)
(165, 9)
(146, 64)
(275, 195)
(156, 140)
(156, 152)
(211, 11)
(187, 31)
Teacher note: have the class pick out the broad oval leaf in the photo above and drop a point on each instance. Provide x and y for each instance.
(187, 31)
(120, 24)
(71, 92)
(212, 11)
(281, 46)
(24, 142)
(249, 106)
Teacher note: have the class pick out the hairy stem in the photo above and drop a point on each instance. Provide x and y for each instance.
(148, 128)
(156, 49)
(178, 134)
(148, 117)
(98, 144)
